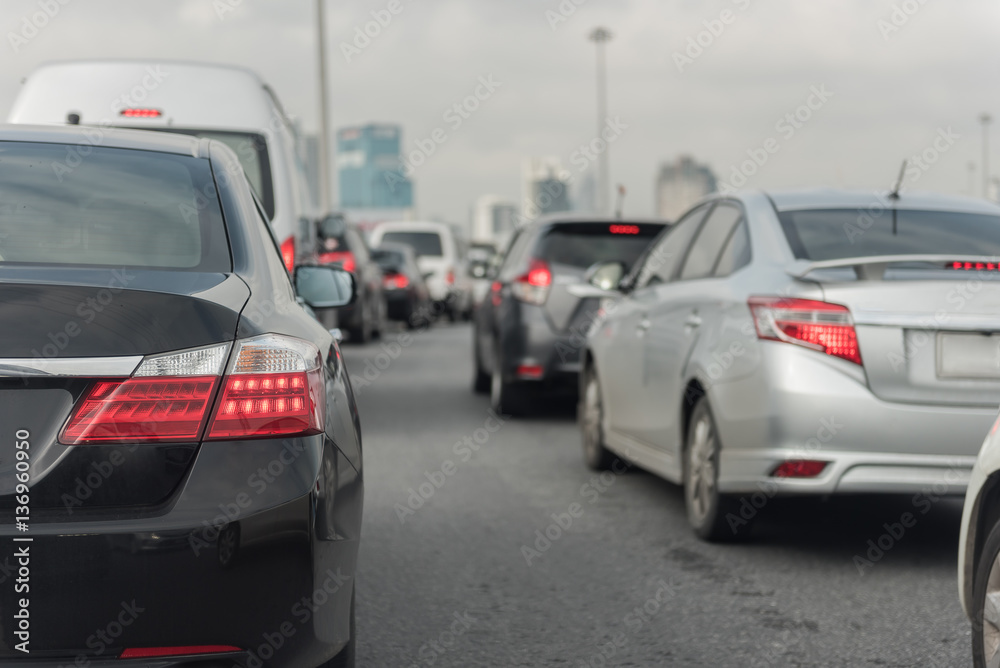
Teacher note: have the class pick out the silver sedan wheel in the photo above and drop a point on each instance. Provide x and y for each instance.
(700, 488)
(991, 617)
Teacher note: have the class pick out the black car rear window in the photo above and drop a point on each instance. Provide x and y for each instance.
(388, 259)
(834, 234)
(584, 244)
(422, 243)
(85, 205)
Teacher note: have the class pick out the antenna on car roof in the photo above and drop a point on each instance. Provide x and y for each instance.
(894, 195)
(621, 201)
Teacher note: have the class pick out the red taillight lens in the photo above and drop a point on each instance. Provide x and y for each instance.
(799, 468)
(345, 258)
(275, 387)
(141, 410)
(396, 282)
(149, 652)
(976, 266)
(821, 326)
(288, 253)
(530, 371)
(533, 286)
(496, 293)
(624, 229)
(141, 113)
(449, 278)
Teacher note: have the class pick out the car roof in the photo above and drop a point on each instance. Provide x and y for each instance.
(413, 226)
(190, 94)
(834, 198)
(163, 142)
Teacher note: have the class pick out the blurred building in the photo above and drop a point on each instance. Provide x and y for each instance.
(546, 187)
(681, 184)
(493, 219)
(370, 169)
(585, 193)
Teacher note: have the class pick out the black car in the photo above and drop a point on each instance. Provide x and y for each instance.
(180, 461)
(406, 296)
(532, 326)
(339, 242)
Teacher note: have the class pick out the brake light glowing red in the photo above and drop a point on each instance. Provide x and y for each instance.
(268, 404)
(624, 229)
(533, 286)
(496, 293)
(183, 650)
(141, 113)
(799, 468)
(538, 274)
(396, 282)
(345, 258)
(450, 277)
(821, 326)
(141, 409)
(976, 266)
(288, 253)
(530, 371)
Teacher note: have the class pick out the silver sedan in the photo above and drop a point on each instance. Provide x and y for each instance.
(806, 342)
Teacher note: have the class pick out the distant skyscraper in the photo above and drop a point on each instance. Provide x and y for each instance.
(493, 219)
(585, 193)
(680, 185)
(546, 188)
(370, 169)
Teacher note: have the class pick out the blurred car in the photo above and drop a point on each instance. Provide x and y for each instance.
(979, 553)
(226, 103)
(339, 242)
(482, 259)
(406, 294)
(162, 384)
(530, 333)
(440, 258)
(784, 343)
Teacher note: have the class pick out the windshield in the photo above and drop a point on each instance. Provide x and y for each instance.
(116, 208)
(424, 244)
(251, 149)
(833, 234)
(582, 245)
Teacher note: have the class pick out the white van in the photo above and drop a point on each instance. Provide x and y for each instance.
(221, 102)
(441, 259)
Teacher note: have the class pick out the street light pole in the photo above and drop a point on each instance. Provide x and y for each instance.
(600, 36)
(986, 119)
(324, 116)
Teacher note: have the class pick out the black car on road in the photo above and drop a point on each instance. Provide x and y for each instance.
(180, 452)
(406, 295)
(531, 327)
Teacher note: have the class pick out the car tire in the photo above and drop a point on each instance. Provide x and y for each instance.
(591, 417)
(347, 656)
(481, 380)
(505, 398)
(707, 510)
(987, 583)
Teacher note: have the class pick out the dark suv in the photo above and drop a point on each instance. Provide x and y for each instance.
(531, 327)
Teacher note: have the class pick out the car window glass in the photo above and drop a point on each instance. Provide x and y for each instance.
(736, 253)
(661, 262)
(706, 248)
(516, 257)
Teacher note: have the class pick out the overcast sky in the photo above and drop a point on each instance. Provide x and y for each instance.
(893, 91)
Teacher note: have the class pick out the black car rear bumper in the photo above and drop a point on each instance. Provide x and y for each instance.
(257, 551)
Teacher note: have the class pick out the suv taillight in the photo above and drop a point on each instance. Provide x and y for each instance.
(288, 253)
(274, 387)
(821, 326)
(533, 286)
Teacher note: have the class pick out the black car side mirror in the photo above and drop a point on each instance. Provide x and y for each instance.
(325, 287)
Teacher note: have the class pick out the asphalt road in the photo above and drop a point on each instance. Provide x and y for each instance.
(451, 579)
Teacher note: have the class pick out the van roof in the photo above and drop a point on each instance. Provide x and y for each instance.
(189, 95)
(415, 226)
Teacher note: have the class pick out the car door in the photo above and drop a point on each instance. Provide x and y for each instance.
(682, 310)
(490, 316)
(620, 346)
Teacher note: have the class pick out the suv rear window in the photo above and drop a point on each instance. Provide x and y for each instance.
(422, 243)
(835, 234)
(581, 245)
(110, 207)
